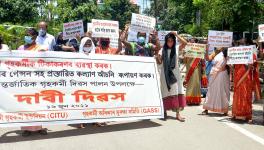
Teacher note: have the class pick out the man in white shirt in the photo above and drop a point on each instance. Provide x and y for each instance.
(44, 39)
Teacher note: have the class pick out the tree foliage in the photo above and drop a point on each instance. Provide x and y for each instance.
(72, 10)
(119, 10)
(18, 11)
(21, 14)
(234, 15)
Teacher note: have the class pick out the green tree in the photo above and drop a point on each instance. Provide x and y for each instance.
(119, 10)
(18, 11)
(72, 10)
(235, 15)
(174, 14)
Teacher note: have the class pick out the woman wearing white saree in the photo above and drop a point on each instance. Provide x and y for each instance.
(218, 94)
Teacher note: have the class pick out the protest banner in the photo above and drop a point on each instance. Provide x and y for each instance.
(211, 50)
(71, 29)
(194, 50)
(89, 27)
(220, 38)
(48, 88)
(141, 23)
(105, 28)
(114, 42)
(261, 32)
(240, 55)
(255, 50)
(113, 38)
(132, 36)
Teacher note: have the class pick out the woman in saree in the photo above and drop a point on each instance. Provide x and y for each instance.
(30, 45)
(105, 48)
(30, 41)
(195, 78)
(171, 83)
(218, 94)
(246, 81)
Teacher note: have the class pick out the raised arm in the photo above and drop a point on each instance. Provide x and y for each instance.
(183, 42)
(119, 49)
(207, 56)
(156, 48)
(123, 37)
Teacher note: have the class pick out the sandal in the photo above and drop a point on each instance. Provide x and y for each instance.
(249, 121)
(26, 133)
(225, 114)
(99, 124)
(181, 119)
(43, 132)
(205, 112)
(81, 126)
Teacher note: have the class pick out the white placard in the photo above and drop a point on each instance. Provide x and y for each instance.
(105, 28)
(89, 27)
(240, 55)
(194, 50)
(141, 23)
(132, 36)
(71, 29)
(220, 38)
(47, 88)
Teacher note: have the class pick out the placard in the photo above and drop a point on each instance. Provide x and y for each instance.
(194, 50)
(71, 29)
(141, 23)
(240, 55)
(220, 38)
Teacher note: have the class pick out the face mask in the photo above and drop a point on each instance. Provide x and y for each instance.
(42, 32)
(28, 39)
(105, 43)
(87, 49)
(141, 41)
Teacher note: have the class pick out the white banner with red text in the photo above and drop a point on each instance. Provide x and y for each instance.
(49, 88)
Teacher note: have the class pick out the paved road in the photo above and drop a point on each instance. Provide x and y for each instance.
(198, 132)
